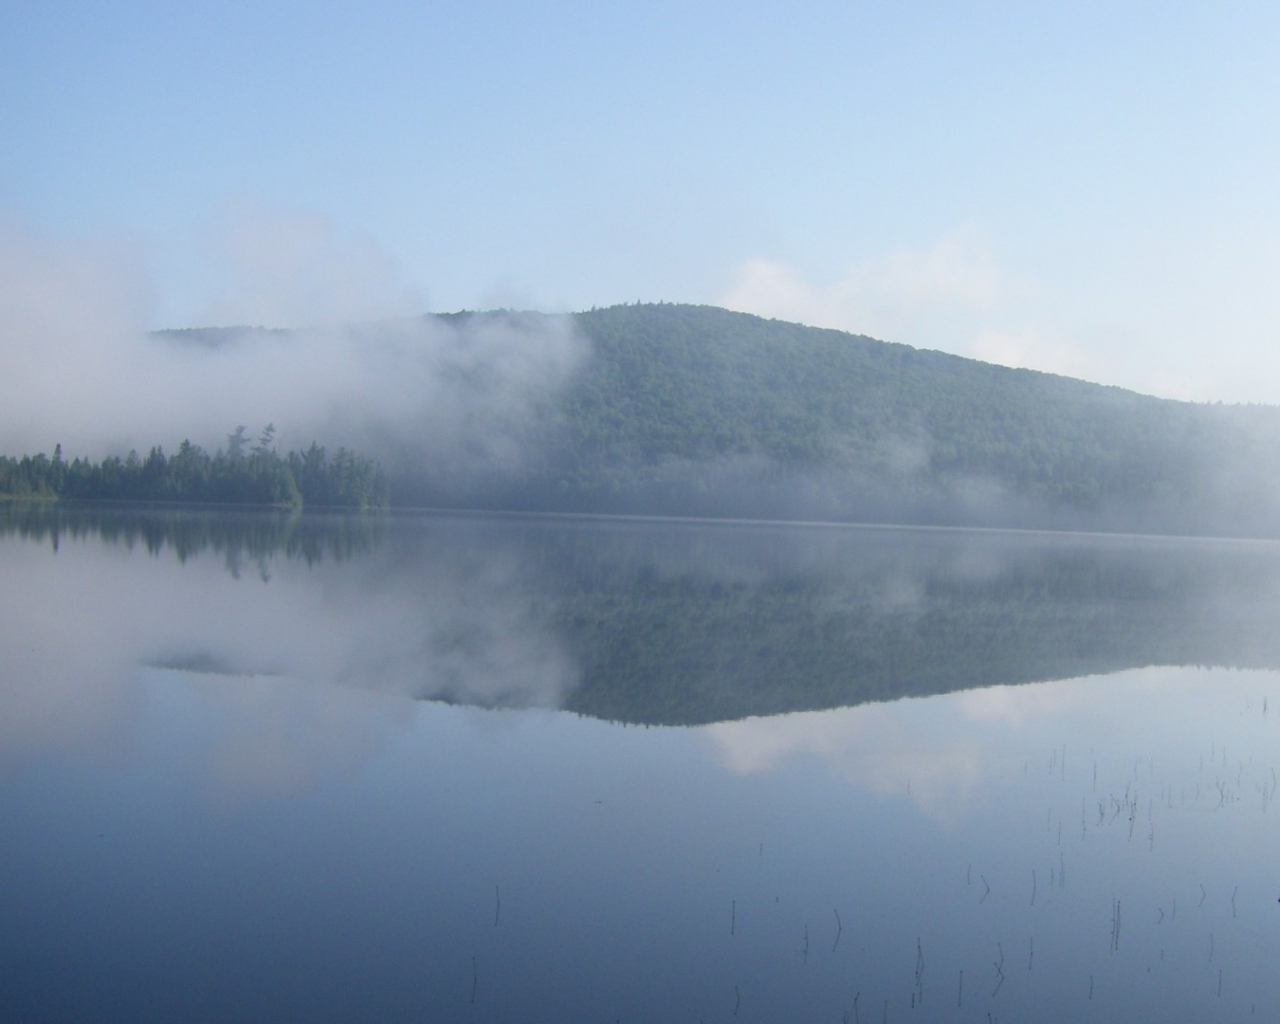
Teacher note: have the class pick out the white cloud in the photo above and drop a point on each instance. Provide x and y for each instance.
(295, 268)
(906, 296)
(958, 270)
(1028, 349)
(952, 296)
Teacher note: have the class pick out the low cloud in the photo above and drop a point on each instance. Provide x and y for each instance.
(78, 367)
(295, 268)
(952, 296)
(897, 298)
(1028, 349)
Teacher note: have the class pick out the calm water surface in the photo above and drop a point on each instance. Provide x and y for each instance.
(257, 768)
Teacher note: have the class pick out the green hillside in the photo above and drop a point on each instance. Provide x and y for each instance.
(700, 410)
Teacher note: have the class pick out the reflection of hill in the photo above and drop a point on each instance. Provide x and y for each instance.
(694, 410)
(845, 618)
(679, 624)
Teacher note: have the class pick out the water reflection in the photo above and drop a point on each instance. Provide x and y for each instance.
(940, 752)
(645, 623)
(240, 539)
(227, 799)
(458, 622)
(1101, 847)
(656, 623)
(875, 747)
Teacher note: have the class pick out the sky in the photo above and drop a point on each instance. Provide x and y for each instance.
(1083, 188)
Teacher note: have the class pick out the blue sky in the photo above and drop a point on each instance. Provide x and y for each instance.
(1085, 188)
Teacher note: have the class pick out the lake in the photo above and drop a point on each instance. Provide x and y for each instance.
(430, 768)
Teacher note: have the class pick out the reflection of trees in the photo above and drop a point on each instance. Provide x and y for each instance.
(242, 538)
(684, 624)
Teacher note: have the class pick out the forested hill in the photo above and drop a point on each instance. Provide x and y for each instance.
(694, 410)
(698, 410)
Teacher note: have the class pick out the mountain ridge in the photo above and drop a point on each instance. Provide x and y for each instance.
(697, 410)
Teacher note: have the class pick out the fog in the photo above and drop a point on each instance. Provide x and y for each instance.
(320, 334)
(79, 368)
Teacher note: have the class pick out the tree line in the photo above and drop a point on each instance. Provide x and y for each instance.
(242, 473)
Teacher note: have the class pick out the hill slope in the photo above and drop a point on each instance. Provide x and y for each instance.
(700, 410)
(694, 410)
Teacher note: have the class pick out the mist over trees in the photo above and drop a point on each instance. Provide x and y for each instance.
(694, 410)
(698, 411)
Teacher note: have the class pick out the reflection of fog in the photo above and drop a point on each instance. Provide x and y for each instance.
(286, 650)
(464, 622)
(642, 622)
(270, 736)
(451, 623)
(66, 649)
